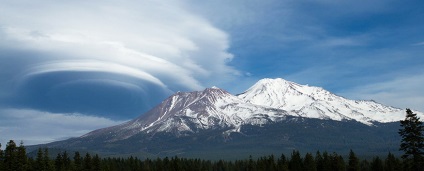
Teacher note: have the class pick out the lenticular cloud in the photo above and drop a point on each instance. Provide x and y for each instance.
(58, 52)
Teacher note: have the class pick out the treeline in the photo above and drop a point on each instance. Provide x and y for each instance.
(14, 158)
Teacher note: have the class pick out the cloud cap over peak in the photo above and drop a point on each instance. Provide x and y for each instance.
(154, 47)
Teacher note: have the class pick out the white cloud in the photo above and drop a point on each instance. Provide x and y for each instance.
(160, 39)
(158, 42)
(35, 127)
(402, 92)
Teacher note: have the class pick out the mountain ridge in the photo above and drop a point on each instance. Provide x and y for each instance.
(272, 114)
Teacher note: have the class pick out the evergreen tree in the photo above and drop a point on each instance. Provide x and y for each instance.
(10, 157)
(365, 165)
(326, 162)
(309, 163)
(391, 163)
(39, 165)
(77, 162)
(377, 164)
(22, 158)
(353, 162)
(412, 142)
(96, 163)
(46, 161)
(295, 161)
(282, 164)
(337, 162)
(1, 158)
(58, 163)
(66, 161)
(251, 164)
(319, 161)
(87, 165)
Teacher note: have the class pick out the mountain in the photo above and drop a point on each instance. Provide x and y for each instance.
(274, 115)
(188, 113)
(315, 102)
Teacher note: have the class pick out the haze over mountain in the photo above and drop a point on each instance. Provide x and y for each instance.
(270, 107)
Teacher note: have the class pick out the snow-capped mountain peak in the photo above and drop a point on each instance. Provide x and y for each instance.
(268, 101)
(315, 102)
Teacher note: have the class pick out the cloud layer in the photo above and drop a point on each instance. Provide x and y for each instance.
(87, 49)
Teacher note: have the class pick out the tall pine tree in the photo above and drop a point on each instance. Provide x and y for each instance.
(412, 142)
(1, 158)
(353, 164)
(77, 161)
(22, 158)
(10, 157)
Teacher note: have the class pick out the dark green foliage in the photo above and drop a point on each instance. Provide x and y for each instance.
(309, 163)
(295, 163)
(353, 164)
(10, 157)
(376, 164)
(93, 162)
(1, 158)
(46, 161)
(365, 165)
(337, 162)
(66, 161)
(282, 163)
(58, 163)
(39, 160)
(323, 163)
(96, 163)
(412, 142)
(77, 162)
(392, 163)
(87, 163)
(22, 158)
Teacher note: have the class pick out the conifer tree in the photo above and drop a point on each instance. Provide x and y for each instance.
(10, 157)
(295, 161)
(337, 162)
(66, 161)
(376, 164)
(1, 158)
(46, 161)
(22, 159)
(326, 161)
(353, 164)
(39, 165)
(77, 161)
(87, 164)
(412, 142)
(58, 162)
(365, 165)
(282, 164)
(96, 163)
(309, 163)
(391, 163)
(319, 161)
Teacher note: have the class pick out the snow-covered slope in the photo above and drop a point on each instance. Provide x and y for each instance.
(189, 112)
(315, 102)
(268, 101)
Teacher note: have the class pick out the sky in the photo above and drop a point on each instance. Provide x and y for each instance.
(67, 68)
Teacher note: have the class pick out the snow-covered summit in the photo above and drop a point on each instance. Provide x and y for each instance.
(315, 102)
(268, 101)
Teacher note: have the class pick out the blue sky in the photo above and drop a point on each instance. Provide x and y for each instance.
(70, 67)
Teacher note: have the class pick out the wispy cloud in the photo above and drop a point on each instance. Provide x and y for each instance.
(146, 43)
(418, 44)
(402, 92)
